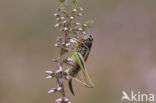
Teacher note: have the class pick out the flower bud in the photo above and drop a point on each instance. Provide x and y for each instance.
(57, 19)
(66, 100)
(79, 14)
(59, 89)
(80, 29)
(56, 14)
(74, 10)
(69, 59)
(85, 25)
(62, 18)
(67, 44)
(56, 25)
(83, 32)
(77, 23)
(59, 100)
(51, 91)
(49, 72)
(67, 78)
(56, 45)
(73, 41)
(60, 67)
(59, 70)
(71, 17)
(66, 71)
(70, 63)
(64, 22)
(49, 77)
(54, 60)
(60, 82)
(81, 9)
(65, 29)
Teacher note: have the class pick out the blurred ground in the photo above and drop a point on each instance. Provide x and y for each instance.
(123, 56)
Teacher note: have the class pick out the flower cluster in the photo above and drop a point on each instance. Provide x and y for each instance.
(59, 74)
(68, 22)
(72, 31)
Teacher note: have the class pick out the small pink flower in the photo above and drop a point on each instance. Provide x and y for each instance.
(80, 29)
(59, 89)
(80, 14)
(62, 43)
(81, 9)
(71, 17)
(67, 44)
(64, 22)
(84, 32)
(65, 28)
(73, 41)
(67, 78)
(66, 71)
(66, 99)
(51, 91)
(56, 25)
(69, 59)
(49, 72)
(70, 63)
(84, 24)
(56, 14)
(60, 82)
(74, 10)
(77, 23)
(59, 100)
(49, 77)
(60, 69)
(62, 18)
(56, 45)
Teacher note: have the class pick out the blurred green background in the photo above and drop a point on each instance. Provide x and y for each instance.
(123, 56)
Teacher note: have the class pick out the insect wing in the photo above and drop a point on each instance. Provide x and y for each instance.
(80, 60)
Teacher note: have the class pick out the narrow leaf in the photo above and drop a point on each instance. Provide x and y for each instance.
(89, 23)
(62, 3)
(75, 3)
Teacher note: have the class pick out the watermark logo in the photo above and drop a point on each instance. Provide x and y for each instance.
(137, 97)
